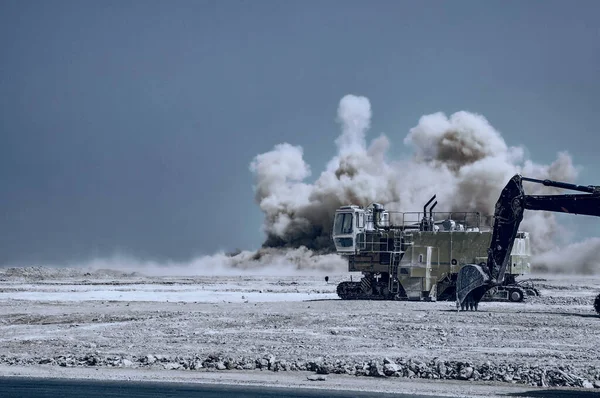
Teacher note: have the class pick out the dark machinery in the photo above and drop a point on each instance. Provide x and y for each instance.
(474, 280)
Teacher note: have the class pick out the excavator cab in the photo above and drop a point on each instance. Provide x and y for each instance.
(352, 222)
(348, 222)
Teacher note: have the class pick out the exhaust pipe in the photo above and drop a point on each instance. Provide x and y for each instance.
(425, 221)
(431, 210)
(427, 204)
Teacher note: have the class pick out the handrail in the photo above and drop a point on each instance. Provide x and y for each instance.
(470, 219)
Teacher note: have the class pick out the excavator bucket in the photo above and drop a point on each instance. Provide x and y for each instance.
(471, 284)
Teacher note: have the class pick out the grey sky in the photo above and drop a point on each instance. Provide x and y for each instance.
(129, 126)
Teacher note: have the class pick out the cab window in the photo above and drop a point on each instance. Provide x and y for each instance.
(360, 220)
(343, 223)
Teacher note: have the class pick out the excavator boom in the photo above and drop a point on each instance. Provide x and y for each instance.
(474, 280)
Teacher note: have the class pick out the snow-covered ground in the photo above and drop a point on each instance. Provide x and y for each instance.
(250, 328)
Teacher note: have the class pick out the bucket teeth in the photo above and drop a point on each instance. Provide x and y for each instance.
(471, 284)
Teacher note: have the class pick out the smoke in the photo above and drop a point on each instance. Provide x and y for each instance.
(462, 158)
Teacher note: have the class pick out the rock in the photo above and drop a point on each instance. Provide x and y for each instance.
(230, 364)
(301, 365)
(543, 381)
(195, 365)
(281, 365)
(587, 384)
(91, 360)
(323, 369)
(441, 368)
(465, 373)
(220, 366)
(127, 363)
(390, 369)
(376, 369)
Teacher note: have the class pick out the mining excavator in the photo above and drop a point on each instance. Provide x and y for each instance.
(475, 280)
(417, 255)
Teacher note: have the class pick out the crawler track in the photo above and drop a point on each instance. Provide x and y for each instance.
(354, 291)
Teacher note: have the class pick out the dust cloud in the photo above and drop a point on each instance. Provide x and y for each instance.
(461, 158)
(575, 258)
(299, 261)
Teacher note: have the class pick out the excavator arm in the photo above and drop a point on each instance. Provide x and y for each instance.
(474, 280)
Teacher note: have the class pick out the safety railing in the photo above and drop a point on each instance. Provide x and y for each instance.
(413, 220)
(387, 240)
(384, 241)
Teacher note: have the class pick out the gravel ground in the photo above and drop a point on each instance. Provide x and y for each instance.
(252, 328)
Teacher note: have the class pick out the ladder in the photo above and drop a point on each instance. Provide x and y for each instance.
(394, 282)
(407, 240)
(397, 251)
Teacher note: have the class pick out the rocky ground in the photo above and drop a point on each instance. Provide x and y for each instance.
(74, 319)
